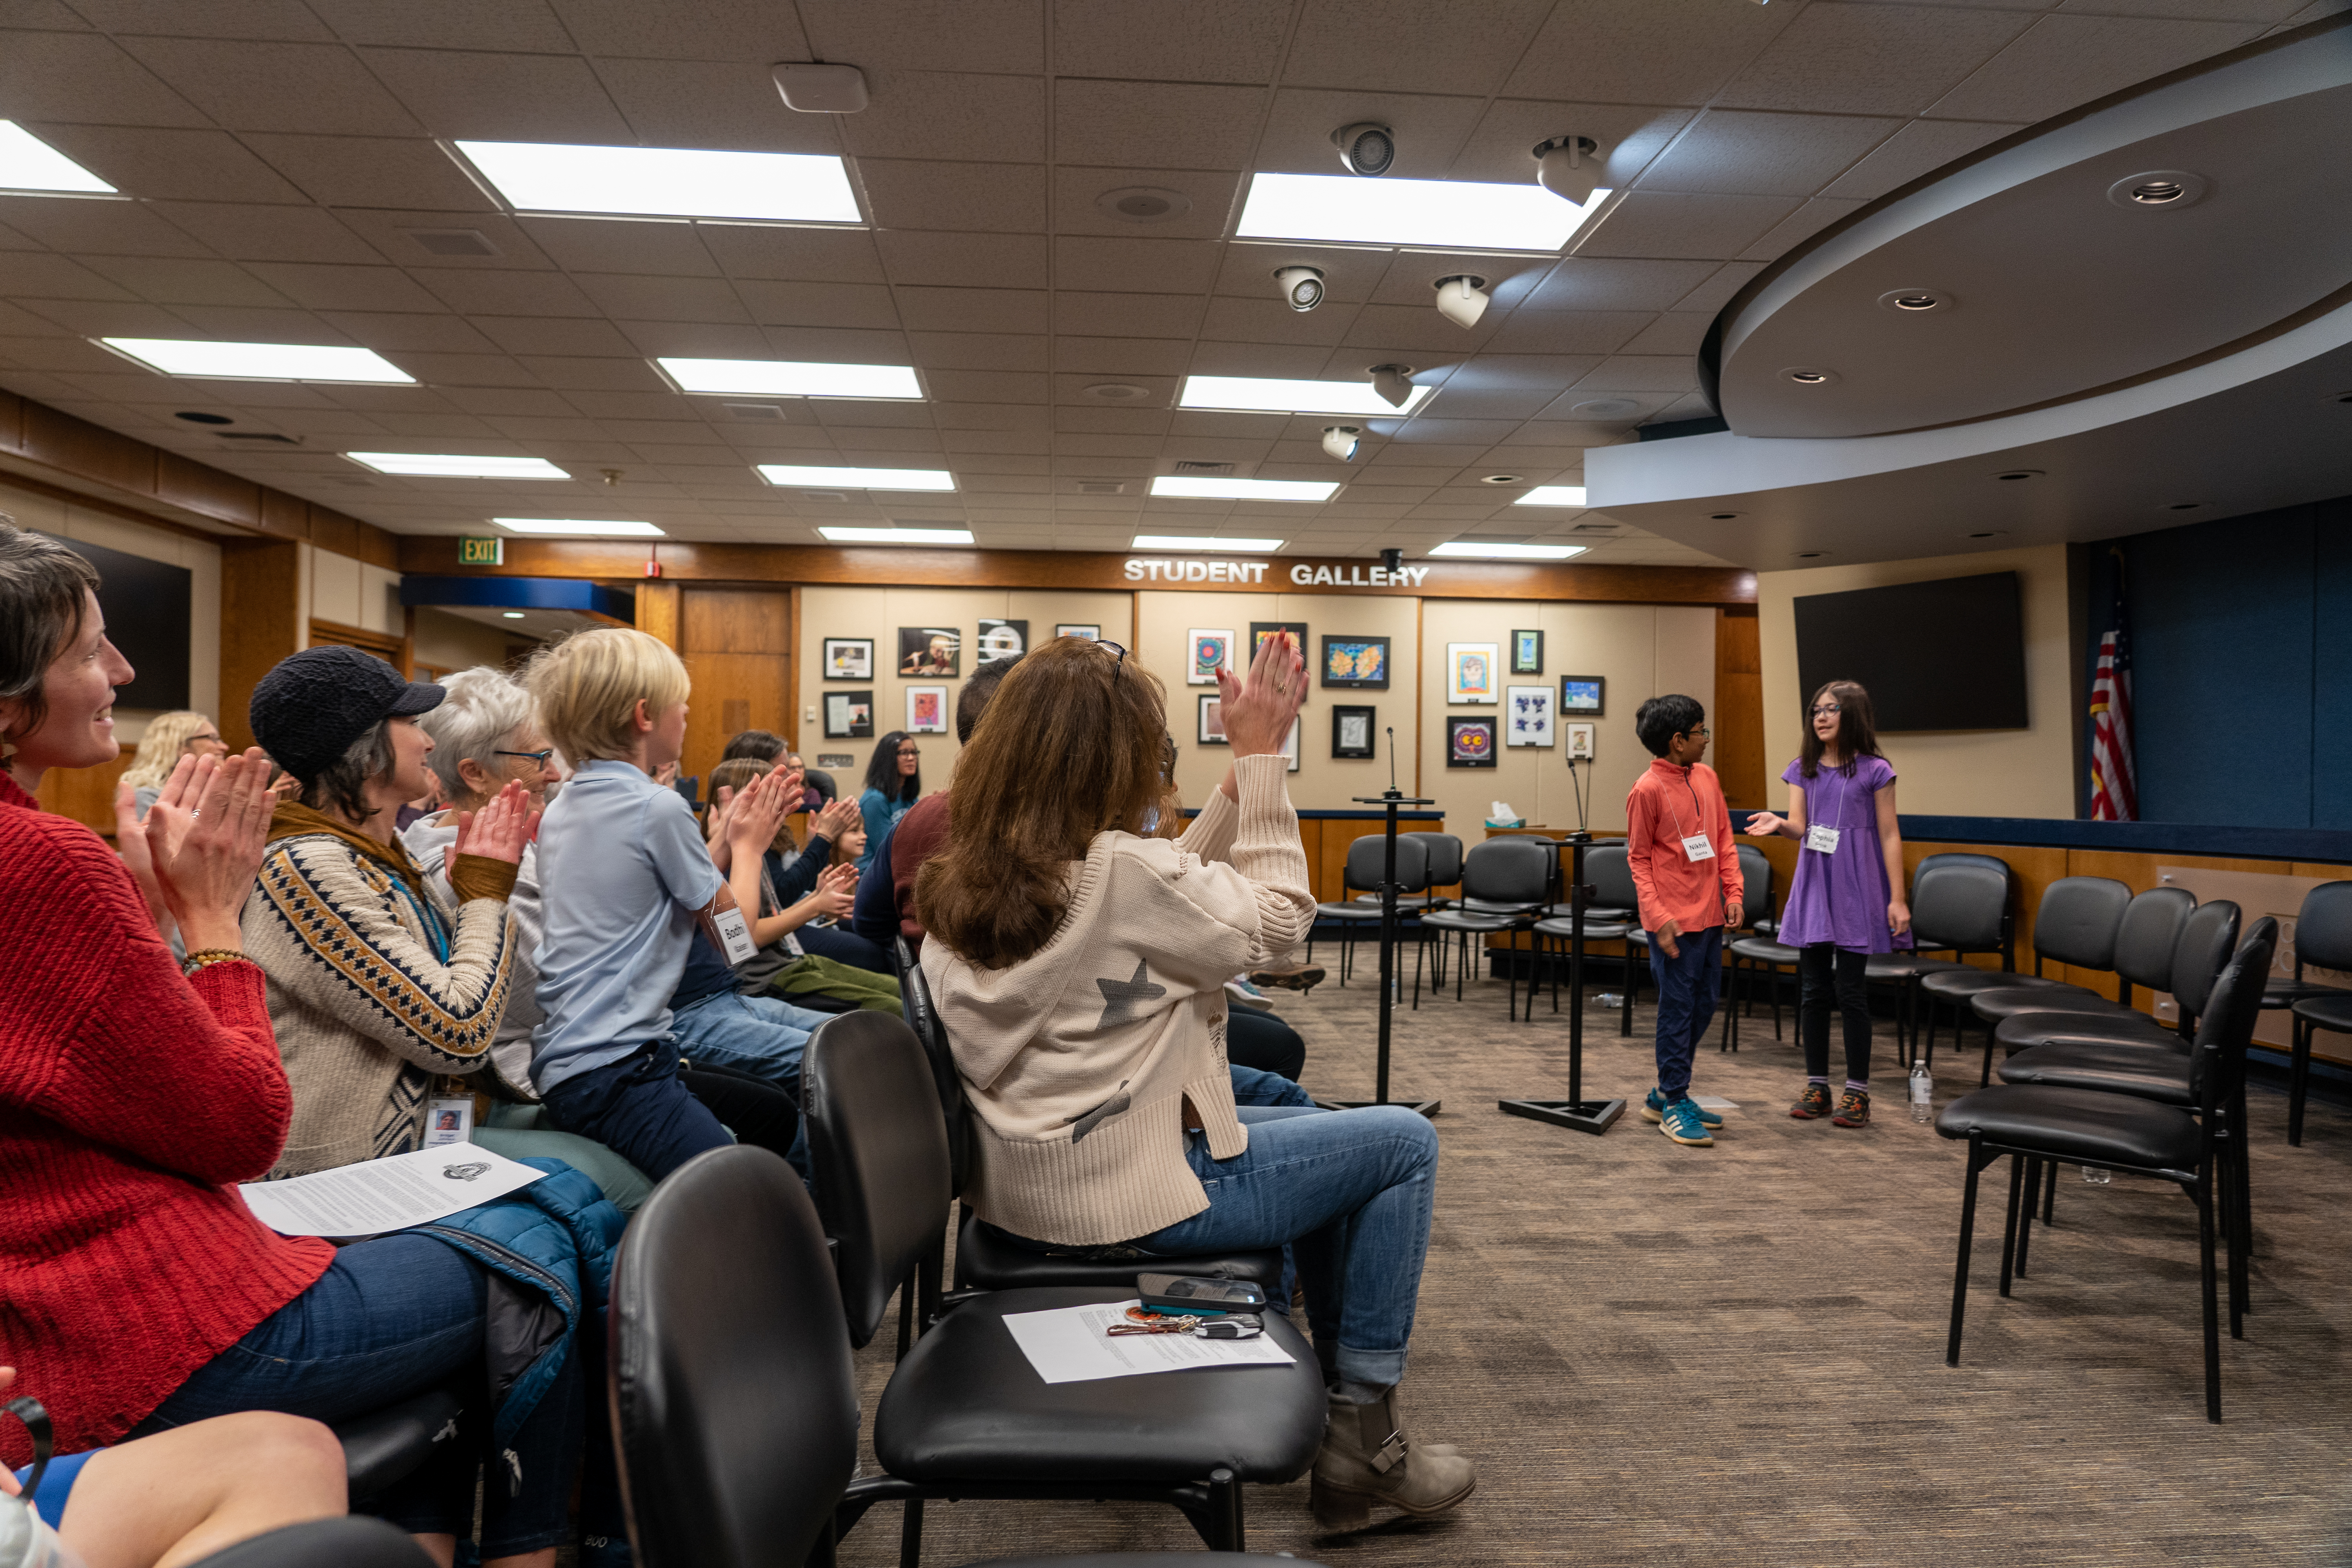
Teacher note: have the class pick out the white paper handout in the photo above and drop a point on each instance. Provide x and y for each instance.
(377, 1195)
(1068, 1344)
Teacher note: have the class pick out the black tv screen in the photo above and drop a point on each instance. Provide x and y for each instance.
(148, 604)
(1946, 654)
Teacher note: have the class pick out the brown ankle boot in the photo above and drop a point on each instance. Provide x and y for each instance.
(1367, 1460)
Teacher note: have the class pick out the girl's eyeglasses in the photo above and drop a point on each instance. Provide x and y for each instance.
(1826, 708)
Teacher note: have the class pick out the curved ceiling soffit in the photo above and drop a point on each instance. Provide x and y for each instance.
(2169, 225)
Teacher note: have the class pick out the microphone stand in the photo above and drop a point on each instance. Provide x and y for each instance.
(1576, 1112)
(1395, 799)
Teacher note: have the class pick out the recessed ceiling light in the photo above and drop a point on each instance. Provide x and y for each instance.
(1502, 480)
(2015, 474)
(1465, 549)
(585, 526)
(2166, 188)
(2184, 506)
(1811, 555)
(1805, 377)
(195, 416)
(799, 475)
(1182, 487)
(1721, 516)
(792, 378)
(897, 535)
(1205, 542)
(511, 614)
(667, 182)
(261, 361)
(1272, 394)
(1606, 409)
(1117, 391)
(1458, 214)
(1913, 302)
(29, 163)
(1992, 533)
(1144, 204)
(1553, 495)
(445, 466)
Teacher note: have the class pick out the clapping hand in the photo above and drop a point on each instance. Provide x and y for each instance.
(1259, 709)
(501, 829)
(758, 812)
(836, 890)
(203, 842)
(837, 818)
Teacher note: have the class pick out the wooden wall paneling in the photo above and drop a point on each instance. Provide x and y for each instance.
(79, 447)
(1738, 717)
(792, 730)
(1310, 839)
(736, 646)
(181, 481)
(658, 610)
(261, 623)
(85, 795)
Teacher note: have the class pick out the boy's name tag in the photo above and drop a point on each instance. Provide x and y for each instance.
(734, 934)
(1821, 838)
(1696, 847)
(448, 1122)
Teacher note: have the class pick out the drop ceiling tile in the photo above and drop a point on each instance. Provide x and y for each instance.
(978, 351)
(971, 442)
(514, 293)
(966, 260)
(1642, 51)
(387, 331)
(1220, 40)
(1502, 149)
(1527, 331)
(1246, 270)
(1134, 265)
(19, 323)
(1156, 124)
(525, 25)
(444, 370)
(106, 228)
(985, 386)
(1799, 226)
(1640, 373)
(251, 324)
(2069, 60)
(732, 104)
(48, 15)
(1920, 148)
(1738, 153)
(949, 414)
(563, 336)
(1123, 358)
(1128, 315)
(972, 309)
(541, 431)
(243, 232)
(950, 115)
(707, 30)
(1872, 59)
(930, 34)
(1680, 333)
(1598, 283)
(316, 88)
(83, 79)
(1113, 421)
(396, 232)
(1694, 228)
(1430, 130)
(838, 345)
(2208, 10)
(1212, 196)
(569, 373)
(1085, 446)
(860, 305)
(1269, 321)
(502, 404)
(1413, 46)
(62, 355)
(664, 299)
(622, 246)
(372, 171)
(1418, 329)
(500, 97)
(173, 280)
(1715, 293)
(996, 197)
(1303, 360)
(324, 287)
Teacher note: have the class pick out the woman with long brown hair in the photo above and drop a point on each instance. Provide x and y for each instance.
(1079, 968)
(1843, 904)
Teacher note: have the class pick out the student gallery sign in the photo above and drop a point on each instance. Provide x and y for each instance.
(1252, 574)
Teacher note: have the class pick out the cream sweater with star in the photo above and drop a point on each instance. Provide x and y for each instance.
(1078, 1059)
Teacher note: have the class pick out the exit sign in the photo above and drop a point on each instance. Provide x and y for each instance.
(481, 552)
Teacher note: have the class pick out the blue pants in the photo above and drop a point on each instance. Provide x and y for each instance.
(1686, 992)
(843, 945)
(764, 1037)
(1261, 1040)
(390, 1318)
(1252, 1087)
(636, 1107)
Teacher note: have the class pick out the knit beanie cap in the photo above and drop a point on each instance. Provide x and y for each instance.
(308, 710)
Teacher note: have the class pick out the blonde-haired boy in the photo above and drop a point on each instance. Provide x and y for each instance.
(626, 878)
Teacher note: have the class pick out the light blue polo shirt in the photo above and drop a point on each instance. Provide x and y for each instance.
(622, 870)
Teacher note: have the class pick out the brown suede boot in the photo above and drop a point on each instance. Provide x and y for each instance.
(1367, 1461)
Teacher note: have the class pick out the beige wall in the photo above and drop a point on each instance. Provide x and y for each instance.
(452, 642)
(1975, 772)
(109, 531)
(350, 593)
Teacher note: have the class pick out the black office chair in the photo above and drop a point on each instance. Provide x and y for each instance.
(1763, 950)
(1367, 866)
(2145, 937)
(1959, 904)
(2076, 924)
(352, 1542)
(1505, 885)
(1755, 910)
(2208, 937)
(2033, 1123)
(965, 1414)
(2323, 935)
(822, 782)
(1443, 852)
(388, 1445)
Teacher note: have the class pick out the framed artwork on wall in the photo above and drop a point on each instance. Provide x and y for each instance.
(1470, 671)
(1357, 663)
(1580, 741)
(930, 650)
(1211, 651)
(1351, 731)
(1212, 721)
(926, 709)
(849, 715)
(1470, 743)
(1004, 640)
(1527, 653)
(849, 659)
(1290, 746)
(1083, 632)
(1583, 695)
(1528, 714)
(1261, 630)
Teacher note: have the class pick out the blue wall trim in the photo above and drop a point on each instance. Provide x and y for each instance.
(520, 593)
(2135, 837)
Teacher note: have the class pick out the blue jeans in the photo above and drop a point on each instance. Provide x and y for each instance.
(1252, 1087)
(1686, 992)
(636, 1107)
(1351, 1192)
(389, 1320)
(763, 1035)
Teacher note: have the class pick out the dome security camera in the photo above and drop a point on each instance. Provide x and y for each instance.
(1302, 286)
(1365, 148)
(1392, 558)
(1340, 441)
(1461, 300)
(1568, 167)
(1393, 382)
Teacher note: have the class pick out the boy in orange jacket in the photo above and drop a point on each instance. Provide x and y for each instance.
(1686, 868)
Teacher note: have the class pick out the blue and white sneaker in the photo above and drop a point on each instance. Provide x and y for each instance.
(1244, 995)
(1655, 1109)
(1680, 1122)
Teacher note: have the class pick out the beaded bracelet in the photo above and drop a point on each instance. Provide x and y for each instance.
(204, 957)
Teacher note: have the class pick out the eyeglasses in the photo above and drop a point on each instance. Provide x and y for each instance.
(209, 738)
(910, 751)
(1826, 708)
(1698, 730)
(537, 759)
(1117, 665)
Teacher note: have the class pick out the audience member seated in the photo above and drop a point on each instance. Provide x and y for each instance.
(143, 1294)
(894, 783)
(800, 959)
(1079, 967)
(372, 993)
(169, 737)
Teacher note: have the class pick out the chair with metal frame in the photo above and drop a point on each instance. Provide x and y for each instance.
(2145, 937)
(1959, 904)
(1367, 865)
(2076, 924)
(1505, 885)
(2323, 935)
(1755, 911)
(2208, 937)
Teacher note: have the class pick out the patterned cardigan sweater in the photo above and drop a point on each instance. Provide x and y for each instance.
(370, 994)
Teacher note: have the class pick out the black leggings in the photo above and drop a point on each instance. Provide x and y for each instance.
(1828, 975)
(1261, 1040)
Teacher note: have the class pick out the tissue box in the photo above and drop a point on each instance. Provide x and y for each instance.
(1515, 822)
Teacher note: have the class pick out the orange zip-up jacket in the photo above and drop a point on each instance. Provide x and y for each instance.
(1666, 805)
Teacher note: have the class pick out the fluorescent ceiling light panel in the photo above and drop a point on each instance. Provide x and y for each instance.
(798, 476)
(1456, 214)
(1463, 549)
(792, 378)
(446, 466)
(1186, 487)
(583, 527)
(1553, 495)
(261, 361)
(897, 535)
(667, 182)
(1204, 543)
(1275, 395)
(29, 163)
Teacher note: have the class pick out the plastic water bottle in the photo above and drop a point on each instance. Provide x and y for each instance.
(1923, 1091)
(25, 1541)
(2096, 1176)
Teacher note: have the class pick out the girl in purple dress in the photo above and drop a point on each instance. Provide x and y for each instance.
(1843, 906)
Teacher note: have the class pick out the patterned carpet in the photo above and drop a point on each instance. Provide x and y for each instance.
(1735, 1354)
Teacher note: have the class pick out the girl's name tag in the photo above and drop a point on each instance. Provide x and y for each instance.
(1696, 847)
(1824, 839)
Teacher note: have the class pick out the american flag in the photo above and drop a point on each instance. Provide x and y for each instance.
(2114, 790)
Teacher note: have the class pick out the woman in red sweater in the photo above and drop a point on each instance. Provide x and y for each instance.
(137, 1291)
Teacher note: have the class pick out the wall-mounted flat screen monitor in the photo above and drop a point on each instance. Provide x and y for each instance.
(147, 605)
(1942, 655)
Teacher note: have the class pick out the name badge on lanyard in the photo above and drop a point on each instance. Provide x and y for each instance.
(1824, 839)
(1697, 848)
(734, 934)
